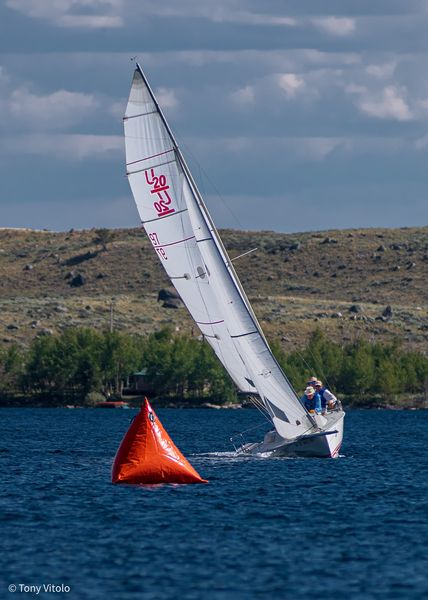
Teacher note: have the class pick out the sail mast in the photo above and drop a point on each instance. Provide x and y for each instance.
(186, 240)
(203, 207)
(211, 226)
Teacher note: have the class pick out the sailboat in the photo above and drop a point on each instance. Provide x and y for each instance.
(192, 253)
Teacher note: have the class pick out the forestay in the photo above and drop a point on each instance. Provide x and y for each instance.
(187, 243)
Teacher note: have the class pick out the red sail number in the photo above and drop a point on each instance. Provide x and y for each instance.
(156, 245)
(159, 187)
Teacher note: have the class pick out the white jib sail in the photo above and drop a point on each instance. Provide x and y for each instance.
(185, 239)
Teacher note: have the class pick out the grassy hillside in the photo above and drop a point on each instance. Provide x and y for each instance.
(340, 281)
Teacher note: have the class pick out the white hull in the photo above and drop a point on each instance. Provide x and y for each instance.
(322, 443)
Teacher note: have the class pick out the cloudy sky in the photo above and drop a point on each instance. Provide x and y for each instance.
(295, 115)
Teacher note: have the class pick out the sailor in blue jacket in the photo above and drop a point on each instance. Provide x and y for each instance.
(328, 400)
(311, 400)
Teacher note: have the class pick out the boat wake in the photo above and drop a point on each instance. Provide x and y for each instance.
(240, 456)
(236, 456)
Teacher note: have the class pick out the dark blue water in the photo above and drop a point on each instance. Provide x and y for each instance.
(352, 528)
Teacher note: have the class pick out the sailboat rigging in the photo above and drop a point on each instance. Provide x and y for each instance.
(184, 236)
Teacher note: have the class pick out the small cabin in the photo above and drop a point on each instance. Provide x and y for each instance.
(138, 384)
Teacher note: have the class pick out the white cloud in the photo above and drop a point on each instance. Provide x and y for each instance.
(58, 110)
(355, 88)
(237, 144)
(244, 96)
(75, 211)
(65, 146)
(290, 83)
(213, 12)
(422, 106)
(381, 71)
(91, 14)
(256, 59)
(390, 103)
(421, 143)
(166, 97)
(317, 149)
(90, 21)
(4, 78)
(111, 13)
(249, 18)
(117, 109)
(301, 149)
(314, 57)
(338, 26)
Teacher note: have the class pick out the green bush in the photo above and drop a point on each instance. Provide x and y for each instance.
(79, 362)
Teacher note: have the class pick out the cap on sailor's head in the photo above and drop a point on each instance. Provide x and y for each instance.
(309, 390)
(318, 382)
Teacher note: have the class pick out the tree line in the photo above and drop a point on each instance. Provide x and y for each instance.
(83, 363)
(358, 369)
(79, 362)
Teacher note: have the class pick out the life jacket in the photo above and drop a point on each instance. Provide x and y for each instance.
(323, 400)
(311, 403)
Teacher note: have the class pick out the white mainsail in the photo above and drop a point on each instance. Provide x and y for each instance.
(182, 233)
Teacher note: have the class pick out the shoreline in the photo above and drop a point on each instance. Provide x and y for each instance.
(408, 403)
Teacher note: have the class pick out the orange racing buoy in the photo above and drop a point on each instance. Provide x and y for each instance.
(148, 455)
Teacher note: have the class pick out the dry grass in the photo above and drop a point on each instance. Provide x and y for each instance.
(295, 282)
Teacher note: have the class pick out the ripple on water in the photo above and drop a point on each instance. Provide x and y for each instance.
(300, 528)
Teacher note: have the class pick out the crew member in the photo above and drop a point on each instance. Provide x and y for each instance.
(328, 400)
(311, 400)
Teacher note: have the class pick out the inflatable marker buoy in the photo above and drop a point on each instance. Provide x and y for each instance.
(148, 455)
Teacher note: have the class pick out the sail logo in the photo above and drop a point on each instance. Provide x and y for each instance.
(157, 246)
(160, 187)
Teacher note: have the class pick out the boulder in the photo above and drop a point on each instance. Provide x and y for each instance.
(387, 313)
(356, 308)
(166, 294)
(77, 281)
(172, 303)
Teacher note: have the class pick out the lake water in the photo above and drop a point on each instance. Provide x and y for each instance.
(354, 528)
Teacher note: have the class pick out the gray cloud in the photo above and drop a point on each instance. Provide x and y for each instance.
(90, 14)
(66, 147)
(321, 107)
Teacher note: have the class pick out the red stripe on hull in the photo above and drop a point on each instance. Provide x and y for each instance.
(336, 450)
